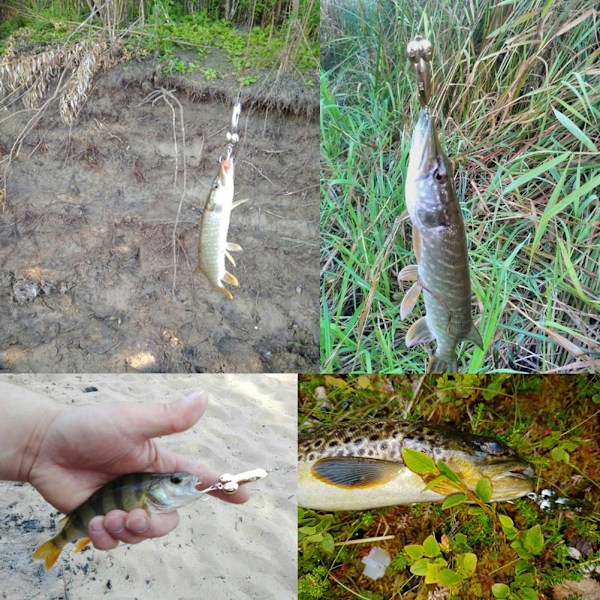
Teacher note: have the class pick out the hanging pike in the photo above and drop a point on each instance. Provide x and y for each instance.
(439, 239)
(213, 246)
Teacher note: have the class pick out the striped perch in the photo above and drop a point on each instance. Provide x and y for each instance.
(154, 492)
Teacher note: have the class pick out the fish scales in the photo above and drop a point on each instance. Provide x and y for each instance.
(357, 466)
(440, 248)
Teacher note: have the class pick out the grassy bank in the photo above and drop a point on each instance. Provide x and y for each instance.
(516, 100)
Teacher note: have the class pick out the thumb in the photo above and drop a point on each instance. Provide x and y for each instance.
(153, 420)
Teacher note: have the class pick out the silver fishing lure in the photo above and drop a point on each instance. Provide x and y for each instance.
(549, 501)
(230, 484)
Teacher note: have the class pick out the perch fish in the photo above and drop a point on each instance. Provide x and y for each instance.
(359, 466)
(213, 246)
(154, 492)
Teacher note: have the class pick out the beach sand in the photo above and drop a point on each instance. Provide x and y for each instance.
(219, 550)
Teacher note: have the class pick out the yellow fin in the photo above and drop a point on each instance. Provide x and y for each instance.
(231, 279)
(49, 552)
(354, 472)
(225, 291)
(410, 299)
(81, 544)
(418, 333)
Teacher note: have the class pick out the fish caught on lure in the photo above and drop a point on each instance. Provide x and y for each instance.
(213, 246)
(359, 466)
(440, 245)
(154, 492)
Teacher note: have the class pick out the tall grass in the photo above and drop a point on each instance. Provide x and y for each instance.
(516, 88)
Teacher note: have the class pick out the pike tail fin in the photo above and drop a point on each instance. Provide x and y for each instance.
(437, 364)
(49, 552)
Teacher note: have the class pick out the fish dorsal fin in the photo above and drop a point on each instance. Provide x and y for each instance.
(409, 273)
(410, 300)
(354, 472)
(474, 336)
(418, 333)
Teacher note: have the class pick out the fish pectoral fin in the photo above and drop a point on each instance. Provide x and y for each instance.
(410, 300)
(354, 472)
(475, 337)
(231, 279)
(230, 258)
(237, 203)
(418, 333)
(233, 247)
(81, 544)
(409, 273)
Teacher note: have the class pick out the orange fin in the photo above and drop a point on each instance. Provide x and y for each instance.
(49, 553)
(81, 544)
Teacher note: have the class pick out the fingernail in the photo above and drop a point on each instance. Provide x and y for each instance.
(96, 526)
(137, 525)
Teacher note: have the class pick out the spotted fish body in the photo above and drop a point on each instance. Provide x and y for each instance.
(359, 466)
(440, 242)
(154, 492)
(213, 246)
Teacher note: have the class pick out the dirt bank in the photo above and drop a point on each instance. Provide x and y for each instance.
(87, 235)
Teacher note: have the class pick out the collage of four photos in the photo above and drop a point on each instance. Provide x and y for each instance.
(299, 300)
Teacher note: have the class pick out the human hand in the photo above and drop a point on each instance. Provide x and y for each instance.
(86, 447)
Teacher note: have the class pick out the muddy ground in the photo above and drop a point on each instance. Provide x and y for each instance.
(87, 236)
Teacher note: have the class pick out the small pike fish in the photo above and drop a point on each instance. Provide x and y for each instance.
(440, 245)
(213, 246)
(154, 492)
(359, 466)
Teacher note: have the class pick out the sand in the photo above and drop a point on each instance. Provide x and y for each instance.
(219, 550)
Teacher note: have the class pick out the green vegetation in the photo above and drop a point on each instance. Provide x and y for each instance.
(464, 547)
(259, 36)
(516, 108)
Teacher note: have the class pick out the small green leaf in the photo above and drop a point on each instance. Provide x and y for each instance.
(327, 544)
(449, 578)
(431, 547)
(520, 549)
(524, 566)
(417, 461)
(419, 567)
(534, 540)
(307, 530)
(492, 390)
(506, 521)
(454, 500)
(414, 551)
(500, 590)
(526, 594)
(433, 572)
(559, 454)
(447, 471)
(466, 564)
(524, 580)
(484, 489)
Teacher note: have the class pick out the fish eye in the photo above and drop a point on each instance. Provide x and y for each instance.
(215, 185)
(439, 175)
(176, 479)
(494, 447)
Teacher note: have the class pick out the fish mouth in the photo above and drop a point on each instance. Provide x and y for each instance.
(520, 473)
(425, 146)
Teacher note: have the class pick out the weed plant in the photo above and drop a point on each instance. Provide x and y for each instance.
(516, 91)
(455, 550)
